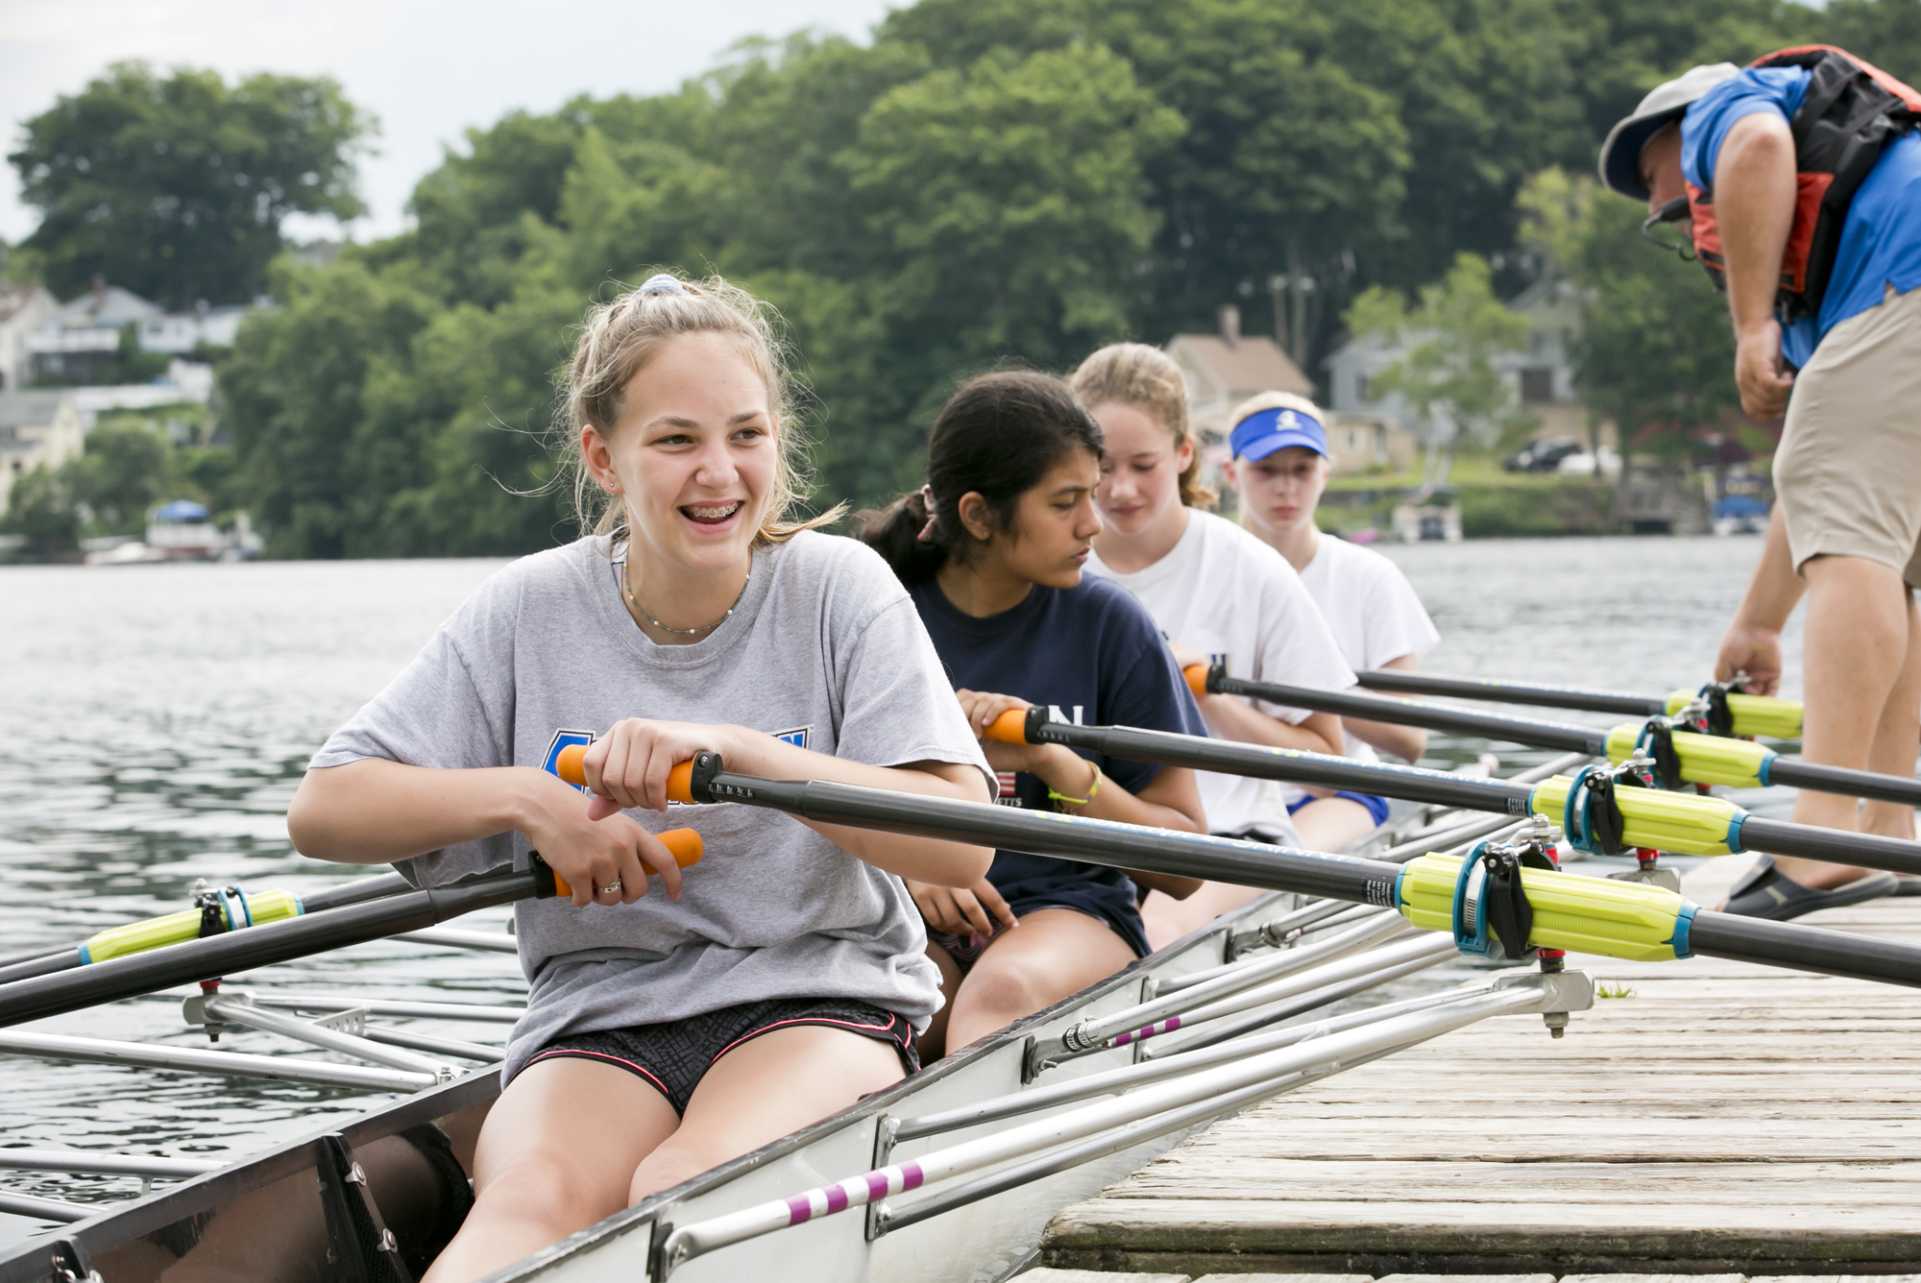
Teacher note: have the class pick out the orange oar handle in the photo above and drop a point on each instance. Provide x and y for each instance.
(680, 780)
(1196, 675)
(684, 844)
(1009, 728)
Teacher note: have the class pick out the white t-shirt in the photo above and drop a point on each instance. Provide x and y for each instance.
(1371, 609)
(1221, 591)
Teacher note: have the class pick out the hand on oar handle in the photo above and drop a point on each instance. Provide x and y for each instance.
(1009, 728)
(572, 765)
(607, 858)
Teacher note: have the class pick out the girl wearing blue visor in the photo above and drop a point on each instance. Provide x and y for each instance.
(1279, 470)
(1213, 590)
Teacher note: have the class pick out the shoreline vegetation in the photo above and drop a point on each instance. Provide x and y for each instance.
(976, 186)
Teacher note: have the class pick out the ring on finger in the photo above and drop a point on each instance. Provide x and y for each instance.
(611, 888)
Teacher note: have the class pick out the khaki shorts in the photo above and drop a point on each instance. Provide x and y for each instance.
(1848, 473)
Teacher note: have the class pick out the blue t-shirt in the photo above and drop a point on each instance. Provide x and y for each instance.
(1881, 236)
(1094, 656)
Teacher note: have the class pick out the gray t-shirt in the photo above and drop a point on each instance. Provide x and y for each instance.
(824, 649)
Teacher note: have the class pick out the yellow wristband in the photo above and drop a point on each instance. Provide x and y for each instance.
(1093, 787)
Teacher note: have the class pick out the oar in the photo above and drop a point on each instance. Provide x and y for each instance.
(290, 938)
(1702, 759)
(1682, 823)
(1764, 715)
(1591, 915)
(234, 909)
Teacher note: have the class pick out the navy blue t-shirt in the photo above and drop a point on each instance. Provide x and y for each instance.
(1094, 656)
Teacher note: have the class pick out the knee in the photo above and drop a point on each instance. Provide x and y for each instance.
(674, 1162)
(1001, 995)
(548, 1190)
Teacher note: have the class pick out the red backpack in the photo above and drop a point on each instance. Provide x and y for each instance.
(1851, 112)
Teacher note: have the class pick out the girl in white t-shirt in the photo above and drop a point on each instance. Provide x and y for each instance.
(1214, 590)
(1279, 470)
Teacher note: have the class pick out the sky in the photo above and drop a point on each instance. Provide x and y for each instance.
(429, 69)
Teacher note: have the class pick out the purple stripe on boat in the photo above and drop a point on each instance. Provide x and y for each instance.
(911, 1176)
(876, 1185)
(799, 1208)
(836, 1199)
(1123, 1038)
(1173, 1023)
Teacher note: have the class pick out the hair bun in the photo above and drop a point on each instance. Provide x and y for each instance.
(661, 283)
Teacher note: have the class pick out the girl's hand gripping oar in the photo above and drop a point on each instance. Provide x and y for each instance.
(618, 874)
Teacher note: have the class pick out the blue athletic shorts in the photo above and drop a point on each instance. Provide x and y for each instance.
(1376, 806)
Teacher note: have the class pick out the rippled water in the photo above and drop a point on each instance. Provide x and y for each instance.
(154, 722)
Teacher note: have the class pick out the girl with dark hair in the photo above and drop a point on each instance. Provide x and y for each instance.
(991, 550)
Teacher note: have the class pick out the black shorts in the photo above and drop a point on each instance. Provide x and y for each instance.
(673, 1057)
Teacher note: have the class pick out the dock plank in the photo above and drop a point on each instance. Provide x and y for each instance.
(1721, 1118)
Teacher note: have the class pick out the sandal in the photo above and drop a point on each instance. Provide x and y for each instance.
(1768, 893)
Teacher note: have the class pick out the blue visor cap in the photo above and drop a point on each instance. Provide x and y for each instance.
(1262, 433)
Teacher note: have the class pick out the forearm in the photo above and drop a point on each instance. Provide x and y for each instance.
(376, 812)
(1754, 204)
(1234, 718)
(944, 863)
(1405, 742)
(1171, 801)
(1775, 590)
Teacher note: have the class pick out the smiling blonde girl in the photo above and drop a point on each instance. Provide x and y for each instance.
(698, 615)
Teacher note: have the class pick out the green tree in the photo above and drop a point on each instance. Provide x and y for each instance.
(175, 186)
(1449, 339)
(41, 505)
(125, 468)
(294, 401)
(1010, 203)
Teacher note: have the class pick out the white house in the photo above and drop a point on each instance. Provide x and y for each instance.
(23, 310)
(84, 333)
(46, 427)
(1541, 371)
(37, 429)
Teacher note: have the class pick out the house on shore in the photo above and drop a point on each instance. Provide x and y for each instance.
(1540, 372)
(45, 427)
(1227, 367)
(80, 341)
(24, 309)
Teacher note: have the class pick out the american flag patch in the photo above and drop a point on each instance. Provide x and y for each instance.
(1007, 783)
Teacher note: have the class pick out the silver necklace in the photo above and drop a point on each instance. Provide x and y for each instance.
(626, 590)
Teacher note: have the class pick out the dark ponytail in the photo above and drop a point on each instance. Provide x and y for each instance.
(998, 436)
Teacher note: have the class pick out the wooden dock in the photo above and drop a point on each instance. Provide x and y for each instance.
(1717, 1118)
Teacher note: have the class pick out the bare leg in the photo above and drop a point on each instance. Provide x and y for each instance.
(1333, 824)
(933, 1043)
(1054, 952)
(761, 1091)
(554, 1156)
(1894, 740)
(1325, 824)
(1168, 919)
(1858, 630)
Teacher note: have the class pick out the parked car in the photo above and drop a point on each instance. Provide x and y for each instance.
(1541, 455)
(1582, 464)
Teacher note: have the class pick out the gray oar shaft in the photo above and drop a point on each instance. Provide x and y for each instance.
(1593, 701)
(1804, 948)
(1412, 783)
(1839, 779)
(1837, 846)
(1455, 721)
(259, 946)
